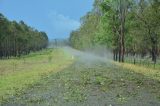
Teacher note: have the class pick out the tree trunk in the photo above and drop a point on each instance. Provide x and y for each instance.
(119, 50)
(154, 50)
(116, 54)
(122, 31)
(0, 50)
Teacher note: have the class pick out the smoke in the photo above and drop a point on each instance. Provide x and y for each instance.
(90, 57)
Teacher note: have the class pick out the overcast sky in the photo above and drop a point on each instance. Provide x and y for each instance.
(56, 17)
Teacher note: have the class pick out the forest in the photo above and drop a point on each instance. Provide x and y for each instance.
(17, 38)
(126, 27)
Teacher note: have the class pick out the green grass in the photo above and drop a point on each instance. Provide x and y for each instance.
(99, 83)
(146, 71)
(60, 81)
(146, 62)
(17, 74)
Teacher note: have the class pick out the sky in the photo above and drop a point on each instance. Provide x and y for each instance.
(56, 17)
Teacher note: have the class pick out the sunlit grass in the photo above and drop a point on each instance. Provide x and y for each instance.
(149, 72)
(18, 73)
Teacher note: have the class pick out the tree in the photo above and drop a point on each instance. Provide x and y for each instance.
(125, 26)
(17, 39)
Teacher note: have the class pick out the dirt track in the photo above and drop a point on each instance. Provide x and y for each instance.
(91, 81)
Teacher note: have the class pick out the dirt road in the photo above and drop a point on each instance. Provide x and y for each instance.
(90, 81)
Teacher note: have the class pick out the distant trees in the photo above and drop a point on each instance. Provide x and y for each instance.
(125, 26)
(84, 36)
(17, 39)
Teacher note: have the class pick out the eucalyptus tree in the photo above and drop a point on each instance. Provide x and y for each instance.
(115, 12)
(148, 15)
(83, 37)
(125, 26)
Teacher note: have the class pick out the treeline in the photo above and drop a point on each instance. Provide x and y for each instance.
(58, 43)
(18, 39)
(127, 27)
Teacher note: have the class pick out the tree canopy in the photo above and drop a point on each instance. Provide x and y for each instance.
(125, 26)
(17, 38)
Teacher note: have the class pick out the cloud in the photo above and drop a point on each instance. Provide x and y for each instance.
(62, 25)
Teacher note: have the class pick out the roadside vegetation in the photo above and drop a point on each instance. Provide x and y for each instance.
(146, 71)
(17, 74)
(125, 27)
(144, 62)
(93, 82)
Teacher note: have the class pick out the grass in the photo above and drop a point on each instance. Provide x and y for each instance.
(149, 72)
(145, 62)
(98, 83)
(17, 74)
